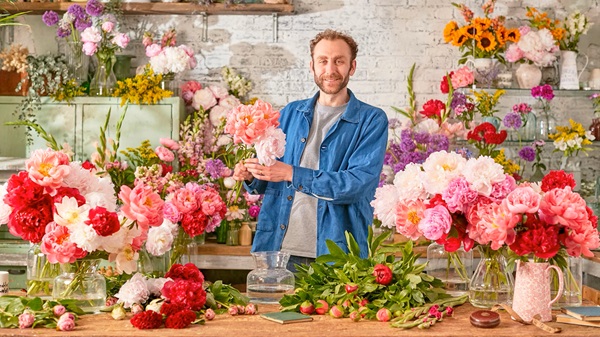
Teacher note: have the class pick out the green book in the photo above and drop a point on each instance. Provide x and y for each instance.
(286, 317)
(591, 313)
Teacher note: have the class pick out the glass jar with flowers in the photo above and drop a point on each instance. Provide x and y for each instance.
(546, 123)
(485, 104)
(521, 121)
(481, 38)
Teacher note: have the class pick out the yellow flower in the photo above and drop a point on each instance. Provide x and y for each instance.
(450, 30)
(486, 42)
(510, 167)
(142, 89)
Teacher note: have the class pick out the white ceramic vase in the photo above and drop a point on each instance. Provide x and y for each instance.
(569, 75)
(528, 75)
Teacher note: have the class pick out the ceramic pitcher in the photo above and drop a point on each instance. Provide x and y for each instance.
(532, 290)
(569, 76)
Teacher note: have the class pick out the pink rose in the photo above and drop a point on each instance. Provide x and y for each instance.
(204, 98)
(142, 204)
(108, 26)
(522, 199)
(26, 320)
(59, 310)
(153, 50)
(121, 40)
(65, 323)
(436, 222)
(164, 154)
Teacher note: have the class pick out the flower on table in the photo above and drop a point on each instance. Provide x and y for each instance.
(575, 25)
(571, 139)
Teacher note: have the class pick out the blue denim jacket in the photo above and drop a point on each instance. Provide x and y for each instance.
(350, 164)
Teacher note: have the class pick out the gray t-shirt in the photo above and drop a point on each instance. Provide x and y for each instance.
(301, 236)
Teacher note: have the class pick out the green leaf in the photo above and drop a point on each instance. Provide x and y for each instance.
(35, 304)
(352, 245)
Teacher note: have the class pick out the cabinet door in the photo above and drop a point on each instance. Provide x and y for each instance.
(12, 138)
(59, 120)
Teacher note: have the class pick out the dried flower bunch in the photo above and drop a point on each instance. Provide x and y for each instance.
(14, 58)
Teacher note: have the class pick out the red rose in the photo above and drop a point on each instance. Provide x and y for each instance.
(147, 320)
(194, 223)
(383, 274)
(190, 294)
(180, 319)
(557, 179)
(105, 223)
(188, 272)
(29, 223)
(433, 108)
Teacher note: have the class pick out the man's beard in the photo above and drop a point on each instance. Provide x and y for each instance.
(332, 90)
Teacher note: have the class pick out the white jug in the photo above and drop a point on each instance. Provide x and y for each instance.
(569, 76)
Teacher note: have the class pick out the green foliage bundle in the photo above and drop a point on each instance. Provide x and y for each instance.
(11, 307)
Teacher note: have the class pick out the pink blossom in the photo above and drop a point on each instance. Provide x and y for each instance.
(26, 320)
(204, 98)
(164, 154)
(522, 199)
(248, 122)
(57, 247)
(188, 89)
(184, 199)
(408, 216)
(171, 213)
(229, 102)
(91, 34)
(270, 146)
(217, 115)
(65, 323)
(497, 226)
(514, 53)
(169, 143)
(501, 189)
(209, 314)
(436, 222)
(58, 310)
(580, 243)
(89, 48)
(219, 91)
(565, 207)
(462, 77)
(153, 50)
(108, 26)
(458, 195)
(142, 204)
(48, 168)
(121, 40)
(384, 315)
(211, 202)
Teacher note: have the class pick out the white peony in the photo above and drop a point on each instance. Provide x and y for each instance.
(270, 146)
(408, 183)
(135, 290)
(217, 115)
(69, 213)
(204, 98)
(482, 173)
(125, 260)
(160, 239)
(428, 125)
(85, 237)
(384, 205)
(439, 169)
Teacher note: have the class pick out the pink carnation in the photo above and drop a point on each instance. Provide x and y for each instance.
(436, 222)
(522, 200)
(58, 248)
(48, 168)
(462, 77)
(248, 122)
(142, 204)
(501, 189)
(459, 195)
(408, 216)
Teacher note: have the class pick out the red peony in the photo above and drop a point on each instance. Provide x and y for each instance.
(433, 108)
(105, 223)
(190, 294)
(538, 238)
(383, 274)
(168, 309)
(29, 223)
(147, 320)
(21, 191)
(188, 272)
(557, 179)
(180, 319)
(194, 223)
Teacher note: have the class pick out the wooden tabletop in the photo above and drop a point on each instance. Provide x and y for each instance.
(253, 326)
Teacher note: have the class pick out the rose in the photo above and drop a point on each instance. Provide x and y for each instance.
(383, 274)
(59, 310)
(65, 323)
(250, 309)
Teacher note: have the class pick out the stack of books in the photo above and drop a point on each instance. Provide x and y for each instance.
(587, 316)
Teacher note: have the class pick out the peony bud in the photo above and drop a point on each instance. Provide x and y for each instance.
(118, 313)
(241, 309)
(355, 316)
(336, 311)
(321, 307)
(209, 314)
(351, 287)
(384, 315)
(65, 324)
(136, 308)
(250, 309)
(26, 320)
(155, 305)
(111, 301)
(363, 302)
(233, 310)
(58, 310)
(307, 308)
(68, 315)
(449, 311)
(363, 311)
(383, 274)
(346, 304)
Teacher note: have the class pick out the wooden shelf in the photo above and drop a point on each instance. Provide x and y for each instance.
(159, 8)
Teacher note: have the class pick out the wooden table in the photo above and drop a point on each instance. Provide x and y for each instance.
(253, 326)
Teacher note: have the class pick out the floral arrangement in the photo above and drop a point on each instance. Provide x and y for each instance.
(14, 58)
(571, 139)
(167, 58)
(540, 20)
(480, 37)
(544, 94)
(486, 138)
(24, 313)
(141, 89)
(74, 20)
(575, 24)
(345, 285)
(484, 103)
(517, 117)
(101, 38)
(535, 46)
(177, 299)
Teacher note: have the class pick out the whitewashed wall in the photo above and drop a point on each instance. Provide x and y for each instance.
(391, 34)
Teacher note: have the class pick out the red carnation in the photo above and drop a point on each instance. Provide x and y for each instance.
(190, 294)
(166, 169)
(87, 165)
(593, 218)
(444, 87)
(433, 108)
(194, 223)
(21, 191)
(495, 138)
(168, 309)
(148, 319)
(29, 223)
(557, 179)
(188, 272)
(105, 223)
(180, 319)
(383, 274)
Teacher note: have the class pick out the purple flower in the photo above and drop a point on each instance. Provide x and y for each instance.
(458, 99)
(512, 120)
(77, 11)
(394, 123)
(61, 32)
(214, 167)
(527, 153)
(94, 8)
(50, 18)
(82, 23)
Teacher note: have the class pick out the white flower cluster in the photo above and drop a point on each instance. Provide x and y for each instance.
(239, 85)
(173, 60)
(577, 24)
(138, 289)
(573, 144)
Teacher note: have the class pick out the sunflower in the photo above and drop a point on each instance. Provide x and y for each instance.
(486, 42)
(501, 36)
(472, 31)
(461, 36)
(450, 30)
(512, 35)
(482, 23)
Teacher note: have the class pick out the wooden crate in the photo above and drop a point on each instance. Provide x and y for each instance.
(9, 81)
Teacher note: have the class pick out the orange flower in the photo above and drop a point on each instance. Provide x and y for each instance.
(487, 42)
(450, 30)
(460, 37)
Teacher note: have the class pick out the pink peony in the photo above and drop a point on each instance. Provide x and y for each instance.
(26, 320)
(270, 146)
(565, 207)
(203, 98)
(497, 226)
(164, 154)
(58, 248)
(211, 202)
(501, 189)
(219, 91)
(169, 143)
(580, 243)
(408, 216)
(171, 212)
(462, 77)
(248, 122)
(458, 195)
(48, 168)
(142, 204)
(522, 200)
(108, 26)
(153, 50)
(436, 221)
(121, 40)
(188, 89)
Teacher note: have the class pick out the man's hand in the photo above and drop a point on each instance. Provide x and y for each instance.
(240, 172)
(276, 173)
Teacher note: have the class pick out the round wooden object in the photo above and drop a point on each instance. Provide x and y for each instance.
(485, 319)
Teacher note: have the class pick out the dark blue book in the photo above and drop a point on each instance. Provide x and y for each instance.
(591, 313)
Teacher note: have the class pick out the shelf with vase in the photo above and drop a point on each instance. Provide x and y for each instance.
(161, 8)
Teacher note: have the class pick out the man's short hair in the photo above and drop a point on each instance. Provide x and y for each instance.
(330, 34)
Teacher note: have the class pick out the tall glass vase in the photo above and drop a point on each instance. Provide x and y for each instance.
(40, 273)
(452, 268)
(572, 165)
(180, 247)
(546, 123)
(81, 282)
(77, 61)
(104, 79)
(491, 283)
(155, 266)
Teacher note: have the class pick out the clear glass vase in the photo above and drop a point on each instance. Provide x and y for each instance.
(152, 265)
(491, 283)
(180, 248)
(573, 282)
(270, 280)
(104, 80)
(233, 233)
(40, 273)
(77, 61)
(572, 165)
(170, 83)
(82, 282)
(546, 123)
(528, 130)
(453, 268)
